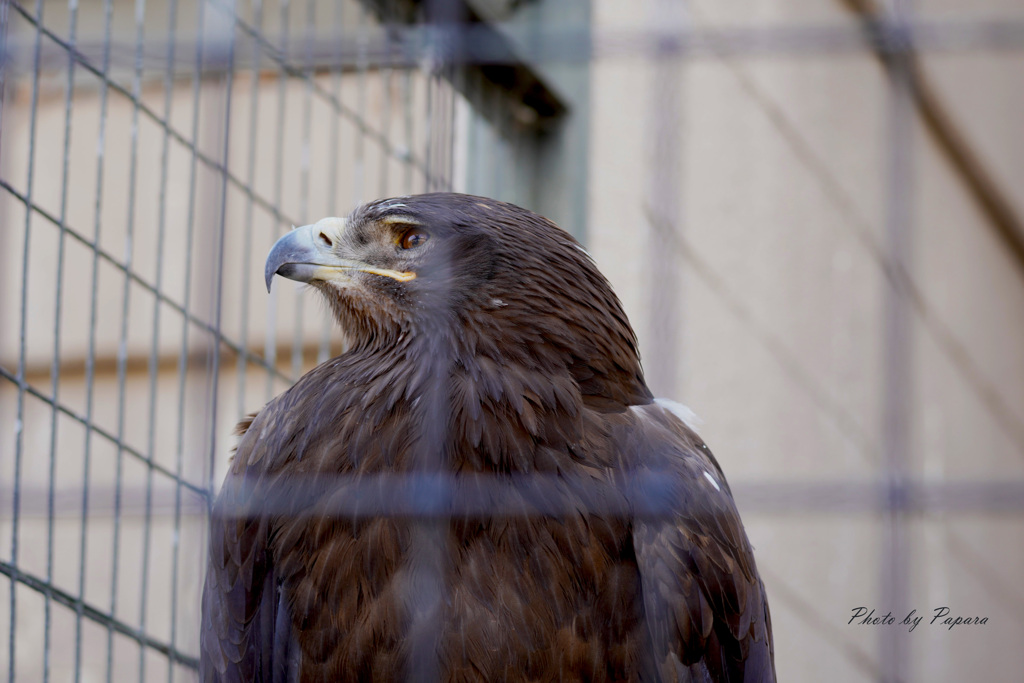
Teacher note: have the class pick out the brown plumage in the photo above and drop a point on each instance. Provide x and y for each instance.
(485, 347)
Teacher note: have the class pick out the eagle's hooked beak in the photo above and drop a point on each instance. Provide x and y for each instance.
(309, 253)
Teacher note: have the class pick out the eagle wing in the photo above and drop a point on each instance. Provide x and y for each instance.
(704, 602)
(246, 627)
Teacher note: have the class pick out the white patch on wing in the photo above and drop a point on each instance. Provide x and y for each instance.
(688, 417)
(707, 475)
(583, 249)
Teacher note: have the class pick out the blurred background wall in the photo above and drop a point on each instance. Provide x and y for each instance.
(812, 212)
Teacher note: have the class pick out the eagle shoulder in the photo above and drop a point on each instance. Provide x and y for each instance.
(247, 632)
(704, 602)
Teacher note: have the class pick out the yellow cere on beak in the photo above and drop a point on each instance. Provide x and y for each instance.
(308, 253)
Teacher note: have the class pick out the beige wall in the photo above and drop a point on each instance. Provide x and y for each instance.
(779, 242)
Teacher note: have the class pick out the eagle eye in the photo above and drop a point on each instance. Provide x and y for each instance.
(412, 238)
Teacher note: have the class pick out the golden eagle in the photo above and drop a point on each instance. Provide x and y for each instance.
(482, 487)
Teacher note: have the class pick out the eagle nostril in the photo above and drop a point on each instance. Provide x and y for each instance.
(325, 240)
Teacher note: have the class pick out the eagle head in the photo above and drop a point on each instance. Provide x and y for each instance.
(472, 275)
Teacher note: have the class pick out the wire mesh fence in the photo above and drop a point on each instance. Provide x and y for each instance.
(104, 531)
(152, 152)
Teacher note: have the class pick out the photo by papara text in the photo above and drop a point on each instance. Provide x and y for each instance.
(940, 617)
